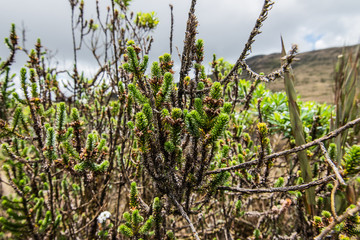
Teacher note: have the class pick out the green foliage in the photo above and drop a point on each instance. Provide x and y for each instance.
(346, 80)
(137, 94)
(142, 132)
(199, 46)
(90, 154)
(61, 120)
(156, 75)
(165, 90)
(326, 214)
(279, 182)
(219, 126)
(147, 226)
(332, 151)
(6, 91)
(135, 225)
(146, 20)
(148, 112)
(126, 231)
(170, 235)
(275, 110)
(51, 144)
(156, 217)
(166, 63)
(218, 180)
(222, 67)
(176, 116)
(11, 42)
(125, 2)
(257, 234)
(193, 123)
(155, 71)
(227, 108)
(317, 219)
(238, 206)
(351, 160)
(215, 91)
(351, 225)
(134, 66)
(133, 195)
(75, 114)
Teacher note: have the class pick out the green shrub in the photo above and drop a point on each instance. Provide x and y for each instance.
(135, 153)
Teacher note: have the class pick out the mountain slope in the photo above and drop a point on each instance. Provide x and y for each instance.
(313, 72)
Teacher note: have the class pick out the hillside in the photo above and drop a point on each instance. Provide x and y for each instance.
(313, 72)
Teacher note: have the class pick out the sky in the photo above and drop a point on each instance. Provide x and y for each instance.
(223, 25)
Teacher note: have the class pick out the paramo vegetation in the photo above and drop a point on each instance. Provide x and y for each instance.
(138, 151)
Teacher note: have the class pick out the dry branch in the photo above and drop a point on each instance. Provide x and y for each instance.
(256, 31)
(332, 165)
(279, 189)
(349, 212)
(289, 151)
(184, 215)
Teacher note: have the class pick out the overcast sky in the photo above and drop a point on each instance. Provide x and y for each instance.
(224, 25)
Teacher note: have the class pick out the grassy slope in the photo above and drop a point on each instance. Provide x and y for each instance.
(313, 72)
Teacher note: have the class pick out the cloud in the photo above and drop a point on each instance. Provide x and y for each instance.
(224, 25)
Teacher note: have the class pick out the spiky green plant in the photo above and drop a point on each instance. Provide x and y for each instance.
(298, 132)
(135, 227)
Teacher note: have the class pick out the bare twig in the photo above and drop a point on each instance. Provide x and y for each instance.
(288, 59)
(349, 212)
(333, 192)
(91, 221)
(279, 189)
(187, 53)
(256, 30)
(184, 215)
(172, 27)
(259, 77)
(332, 165)
(144, 205)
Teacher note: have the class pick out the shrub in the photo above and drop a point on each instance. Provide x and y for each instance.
(132, 153)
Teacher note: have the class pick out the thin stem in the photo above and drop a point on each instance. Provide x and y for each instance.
(332, 165)
(279, 189)
(72, 3)
(349, 212)
(256, 30)
(333, 193)
(184, 215)
(114, 44)
(187, 53)
(172, 27)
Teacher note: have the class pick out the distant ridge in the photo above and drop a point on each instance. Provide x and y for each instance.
(313, 72)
